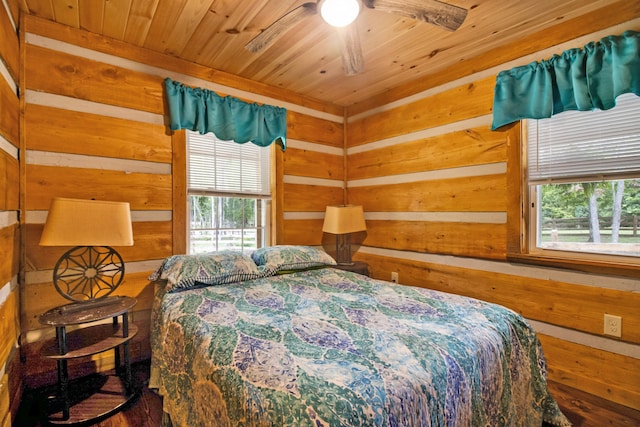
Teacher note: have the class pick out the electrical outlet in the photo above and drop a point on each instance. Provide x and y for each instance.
(394, 277)
(613, 325)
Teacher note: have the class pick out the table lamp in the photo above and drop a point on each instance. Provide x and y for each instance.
(92, 269)
(343, 220)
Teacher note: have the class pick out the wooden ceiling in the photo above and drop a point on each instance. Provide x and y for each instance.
(399, 53)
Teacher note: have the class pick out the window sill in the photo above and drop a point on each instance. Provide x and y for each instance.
(590, 266)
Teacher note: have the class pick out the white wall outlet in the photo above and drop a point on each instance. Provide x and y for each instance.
(394, 277)
(613, 325)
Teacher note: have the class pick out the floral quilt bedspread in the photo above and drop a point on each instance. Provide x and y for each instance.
(333, 348)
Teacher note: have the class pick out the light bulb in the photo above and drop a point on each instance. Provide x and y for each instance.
(339, 13)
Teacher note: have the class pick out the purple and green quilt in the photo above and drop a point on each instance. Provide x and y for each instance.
(326, 347)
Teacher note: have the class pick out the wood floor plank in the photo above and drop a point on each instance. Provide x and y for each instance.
(586, 410)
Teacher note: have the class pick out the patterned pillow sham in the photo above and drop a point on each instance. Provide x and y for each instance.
(213, 268)
(289, 258)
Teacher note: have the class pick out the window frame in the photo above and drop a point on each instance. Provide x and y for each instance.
(220, 182)
(180, 201)
(519, 237)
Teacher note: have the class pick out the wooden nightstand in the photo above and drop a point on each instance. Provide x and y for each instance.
(98, 396)
(359, 267)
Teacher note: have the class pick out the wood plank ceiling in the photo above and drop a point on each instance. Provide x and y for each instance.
(398, 52)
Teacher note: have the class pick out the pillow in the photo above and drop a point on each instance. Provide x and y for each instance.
(213, 268)
(286, 258)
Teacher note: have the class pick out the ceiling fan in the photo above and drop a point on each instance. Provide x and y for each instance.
(434, 12)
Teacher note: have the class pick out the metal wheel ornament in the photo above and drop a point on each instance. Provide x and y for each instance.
(88, 272)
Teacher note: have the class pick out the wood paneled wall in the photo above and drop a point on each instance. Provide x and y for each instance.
(435, 185)
(10, 377)
(310, 177)
(94, 120)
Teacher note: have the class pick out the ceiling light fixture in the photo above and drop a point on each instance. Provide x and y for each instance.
(339, 13)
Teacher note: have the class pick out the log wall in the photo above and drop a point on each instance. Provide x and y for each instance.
(439, 192)
(10, 376)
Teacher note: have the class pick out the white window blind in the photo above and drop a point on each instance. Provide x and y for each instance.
(216, 166)
(586, 144)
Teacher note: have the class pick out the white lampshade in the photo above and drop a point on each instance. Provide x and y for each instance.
(75, 222)
(339, 13)
(344, 219)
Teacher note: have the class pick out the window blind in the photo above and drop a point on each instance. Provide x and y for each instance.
(586, 144)
(216, 166)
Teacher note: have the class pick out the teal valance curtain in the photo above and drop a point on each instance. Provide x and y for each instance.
(577, 79)
(228, 118)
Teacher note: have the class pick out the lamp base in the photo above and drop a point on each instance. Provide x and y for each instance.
(343, 249)
(88, 272)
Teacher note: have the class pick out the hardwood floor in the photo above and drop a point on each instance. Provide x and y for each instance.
(584, 410)
(145, 411)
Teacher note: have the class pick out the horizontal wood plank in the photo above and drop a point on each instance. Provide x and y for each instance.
(310, 198)
(92, 81)
(312, 164)
(460, 103)
(9, 182)
(312, 129)
(9, 45)
(9, 247)
(302, 232)
(475, 146)
(471, 194)
(142, 191)
(10, 108)
(9, 325)
(611, 376)
(63, 131)
(451, 238)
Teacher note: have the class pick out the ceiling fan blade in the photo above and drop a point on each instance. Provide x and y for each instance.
(282, 24)
(351, 49)
(434, 12)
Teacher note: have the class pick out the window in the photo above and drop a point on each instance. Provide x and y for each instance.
(228, 194)
(583, 178)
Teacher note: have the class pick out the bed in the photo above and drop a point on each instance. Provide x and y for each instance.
(282, 338)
